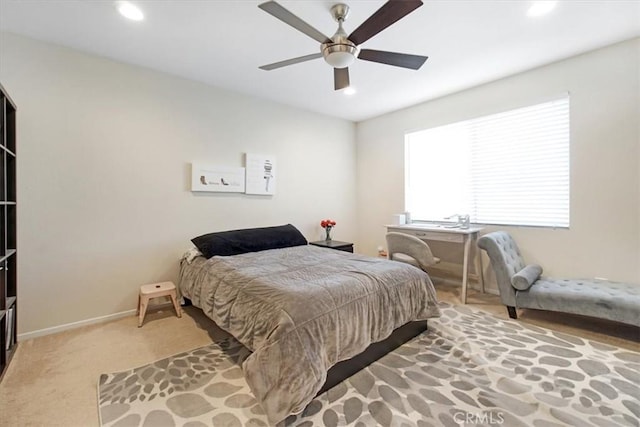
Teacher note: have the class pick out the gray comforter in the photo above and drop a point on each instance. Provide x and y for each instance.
(301, 310)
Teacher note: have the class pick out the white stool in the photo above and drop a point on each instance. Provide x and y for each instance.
(154, 290)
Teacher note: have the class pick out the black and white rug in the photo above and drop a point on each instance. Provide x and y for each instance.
(470, 368)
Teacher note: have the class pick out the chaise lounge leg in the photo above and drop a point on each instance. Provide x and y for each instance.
(512, 312)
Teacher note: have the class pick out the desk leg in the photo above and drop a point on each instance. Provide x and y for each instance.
(465, 268)
(479, 268)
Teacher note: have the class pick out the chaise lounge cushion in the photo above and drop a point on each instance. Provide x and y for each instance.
(524, 278)
(615, 301)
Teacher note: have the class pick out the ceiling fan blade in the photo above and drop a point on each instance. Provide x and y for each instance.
(340, 78)
(390, 12)
(291, 61)
(403, 60)
(287, 17)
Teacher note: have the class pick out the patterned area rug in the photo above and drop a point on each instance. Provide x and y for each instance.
(470, 368)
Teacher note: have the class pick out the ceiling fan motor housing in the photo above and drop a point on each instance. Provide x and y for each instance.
(340, 52)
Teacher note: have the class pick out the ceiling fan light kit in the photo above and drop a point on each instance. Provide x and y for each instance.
(341, 50)
(339, 56)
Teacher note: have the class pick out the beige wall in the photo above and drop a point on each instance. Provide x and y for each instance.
(103, 175)
(604, 238)
(103, 167)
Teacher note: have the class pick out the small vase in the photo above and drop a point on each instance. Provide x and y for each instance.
(328, 235)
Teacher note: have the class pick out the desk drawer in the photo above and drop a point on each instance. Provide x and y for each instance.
(432, 235)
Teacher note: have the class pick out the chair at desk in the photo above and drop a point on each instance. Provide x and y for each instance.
(406, 248)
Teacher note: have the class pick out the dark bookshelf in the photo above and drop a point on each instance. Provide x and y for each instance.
(8, 252)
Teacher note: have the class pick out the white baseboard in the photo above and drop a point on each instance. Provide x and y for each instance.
(73, 325)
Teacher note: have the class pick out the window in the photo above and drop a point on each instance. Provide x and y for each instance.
(510, 168)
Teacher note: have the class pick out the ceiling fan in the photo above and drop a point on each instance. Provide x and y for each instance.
(341, 50)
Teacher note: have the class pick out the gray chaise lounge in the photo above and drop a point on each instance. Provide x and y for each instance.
(521, 286)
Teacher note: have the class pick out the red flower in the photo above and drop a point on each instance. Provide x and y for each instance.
(327, 223)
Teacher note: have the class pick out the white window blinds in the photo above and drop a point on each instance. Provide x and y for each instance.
(510, 168)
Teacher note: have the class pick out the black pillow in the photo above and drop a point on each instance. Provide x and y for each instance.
(248, 240)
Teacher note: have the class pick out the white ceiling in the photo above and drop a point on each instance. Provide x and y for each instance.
(222, 43)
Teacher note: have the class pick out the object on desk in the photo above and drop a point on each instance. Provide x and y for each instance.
(462, 220)
(398, 219)
(407, 217)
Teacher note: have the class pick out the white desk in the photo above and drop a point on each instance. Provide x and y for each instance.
(454, 235)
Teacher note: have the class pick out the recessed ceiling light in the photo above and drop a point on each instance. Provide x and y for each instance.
(130, 11)
(539, 8)
(350, 90)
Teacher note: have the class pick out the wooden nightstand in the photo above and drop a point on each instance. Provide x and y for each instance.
(334, 244)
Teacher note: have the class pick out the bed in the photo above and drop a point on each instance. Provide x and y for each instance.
(299, 309)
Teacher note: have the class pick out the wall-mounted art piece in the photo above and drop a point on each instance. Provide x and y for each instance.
(217, 178)
(261, 174)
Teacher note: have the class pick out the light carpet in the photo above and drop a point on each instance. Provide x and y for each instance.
(470, 368)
